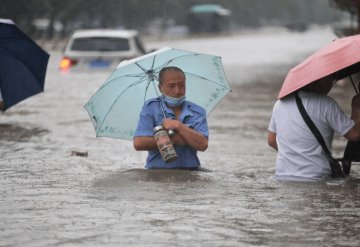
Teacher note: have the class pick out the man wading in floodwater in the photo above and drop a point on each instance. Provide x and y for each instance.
(300, 156)
(185, 118)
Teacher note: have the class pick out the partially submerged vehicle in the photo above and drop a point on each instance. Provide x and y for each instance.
(208, 18)
(100, 48)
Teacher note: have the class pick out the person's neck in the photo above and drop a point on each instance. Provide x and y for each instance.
(177, 110)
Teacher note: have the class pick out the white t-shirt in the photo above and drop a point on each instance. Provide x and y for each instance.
(299, 153)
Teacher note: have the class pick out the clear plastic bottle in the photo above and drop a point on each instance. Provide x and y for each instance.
(164, 144)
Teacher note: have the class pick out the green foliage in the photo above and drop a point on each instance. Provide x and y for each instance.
(137, 14)
(351, 6)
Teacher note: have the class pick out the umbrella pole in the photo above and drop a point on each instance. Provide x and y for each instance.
(157, 94)
(357, 92)
(162, 108)
(171, 132)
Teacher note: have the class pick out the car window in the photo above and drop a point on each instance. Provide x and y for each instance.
(100, 44)
(139, 45)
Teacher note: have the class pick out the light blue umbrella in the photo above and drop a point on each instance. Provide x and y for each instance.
(115, 108)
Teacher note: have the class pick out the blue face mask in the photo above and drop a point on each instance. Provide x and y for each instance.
(174, 102)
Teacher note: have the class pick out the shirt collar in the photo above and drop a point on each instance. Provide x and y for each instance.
(186, 110)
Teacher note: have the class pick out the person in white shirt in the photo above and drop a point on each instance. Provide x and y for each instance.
(300, 156)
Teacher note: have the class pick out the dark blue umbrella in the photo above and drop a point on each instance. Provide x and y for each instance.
(22, 65)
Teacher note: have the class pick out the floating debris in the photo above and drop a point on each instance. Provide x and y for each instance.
(81, 154)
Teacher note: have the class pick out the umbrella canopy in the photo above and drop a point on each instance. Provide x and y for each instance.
(341, 58)
(22, 65)
(115, 108)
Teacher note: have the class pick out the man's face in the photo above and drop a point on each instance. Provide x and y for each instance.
(173, 84)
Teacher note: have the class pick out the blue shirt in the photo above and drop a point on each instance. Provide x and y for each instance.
(192, 115)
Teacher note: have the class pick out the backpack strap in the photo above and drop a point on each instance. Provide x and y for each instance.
(312, 126)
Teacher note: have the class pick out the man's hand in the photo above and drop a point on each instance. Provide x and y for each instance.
(171, 124)
(354, 133)
(356, 101)
(185, 135)
(355, 111)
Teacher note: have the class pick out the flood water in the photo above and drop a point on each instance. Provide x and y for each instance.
(51, 197)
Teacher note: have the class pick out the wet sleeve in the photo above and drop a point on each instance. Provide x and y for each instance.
(145, 123)
(337, 119)
(201, 126)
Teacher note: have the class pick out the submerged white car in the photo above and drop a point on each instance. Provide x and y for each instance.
(100, 48)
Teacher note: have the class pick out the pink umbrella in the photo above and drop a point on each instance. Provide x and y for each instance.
(341, 58)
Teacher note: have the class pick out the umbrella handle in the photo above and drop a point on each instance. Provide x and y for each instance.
(171, 133)
(356, 90)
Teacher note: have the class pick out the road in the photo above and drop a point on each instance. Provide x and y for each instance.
(49, 197)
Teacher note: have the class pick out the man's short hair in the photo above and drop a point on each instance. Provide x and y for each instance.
(166, 69)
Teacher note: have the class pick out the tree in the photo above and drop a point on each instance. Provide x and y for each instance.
(351, 6)
(139, 14)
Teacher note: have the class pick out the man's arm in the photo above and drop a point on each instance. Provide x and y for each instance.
(354, 133)
(144, 139)
(187, 136)
(144, 143)
(272, 140)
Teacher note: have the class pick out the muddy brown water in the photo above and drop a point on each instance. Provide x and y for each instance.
(49, 197)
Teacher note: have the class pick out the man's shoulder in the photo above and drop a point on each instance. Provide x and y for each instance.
(316, 97)
(151, 106)
(151, 101)
(323, 101)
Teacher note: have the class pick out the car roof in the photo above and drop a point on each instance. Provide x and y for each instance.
(104, 33)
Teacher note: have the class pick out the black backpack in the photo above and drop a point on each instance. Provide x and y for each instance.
(352, 151)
